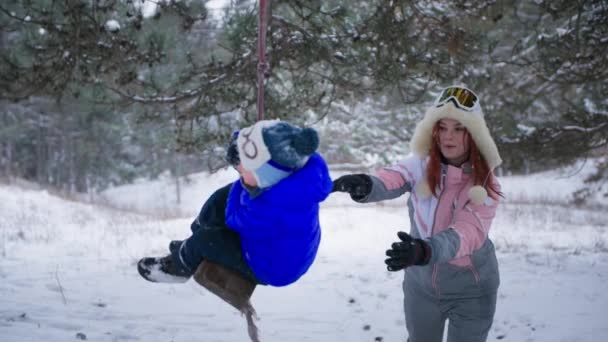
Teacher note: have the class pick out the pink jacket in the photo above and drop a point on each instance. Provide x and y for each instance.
(455, 228)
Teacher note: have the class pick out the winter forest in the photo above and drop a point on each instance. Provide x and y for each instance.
(114, 122)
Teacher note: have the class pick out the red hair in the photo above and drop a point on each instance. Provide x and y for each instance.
(481, 171)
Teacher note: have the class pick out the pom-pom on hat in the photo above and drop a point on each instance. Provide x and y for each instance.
(273, 149)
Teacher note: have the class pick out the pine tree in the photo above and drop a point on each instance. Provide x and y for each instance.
(362, 72)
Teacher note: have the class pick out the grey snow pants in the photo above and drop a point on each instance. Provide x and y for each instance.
(470, 318)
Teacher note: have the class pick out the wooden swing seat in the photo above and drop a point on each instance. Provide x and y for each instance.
(230, 286)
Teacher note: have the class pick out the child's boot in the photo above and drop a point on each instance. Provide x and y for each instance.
(174, 246)
(162, 270)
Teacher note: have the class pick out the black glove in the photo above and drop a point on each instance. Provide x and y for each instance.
(407, 253)
(357, 185)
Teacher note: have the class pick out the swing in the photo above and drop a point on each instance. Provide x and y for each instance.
(232, 288)
(228, 285)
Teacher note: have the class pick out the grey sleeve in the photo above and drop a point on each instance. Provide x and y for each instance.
(379, 192)
(444, 246)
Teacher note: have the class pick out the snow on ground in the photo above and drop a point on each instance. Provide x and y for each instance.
(553, 187)
(67, 270)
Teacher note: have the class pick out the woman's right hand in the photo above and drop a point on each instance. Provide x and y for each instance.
(357, 185)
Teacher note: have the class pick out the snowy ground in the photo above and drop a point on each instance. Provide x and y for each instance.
(67, 270)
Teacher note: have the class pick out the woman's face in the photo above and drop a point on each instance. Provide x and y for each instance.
(453, 142)
(247, 176)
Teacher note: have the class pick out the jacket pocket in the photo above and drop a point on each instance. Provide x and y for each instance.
(485, 263)
(457, 281)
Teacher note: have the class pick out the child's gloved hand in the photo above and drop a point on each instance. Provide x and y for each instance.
(407, 253)
(357, 185)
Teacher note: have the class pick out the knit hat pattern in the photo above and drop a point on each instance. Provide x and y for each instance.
(274, 149)
(290, 146)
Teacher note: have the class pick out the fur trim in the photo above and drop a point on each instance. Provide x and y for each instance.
(478, 194)
(423, 190)
(474, 123)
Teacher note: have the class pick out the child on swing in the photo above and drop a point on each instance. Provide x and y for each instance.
(265, 226)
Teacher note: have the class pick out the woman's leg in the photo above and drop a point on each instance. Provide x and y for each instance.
(424, 320)
(471, 318)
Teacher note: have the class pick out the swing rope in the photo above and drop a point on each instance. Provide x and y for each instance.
(226, 284)
(262, 66)
(248, 309)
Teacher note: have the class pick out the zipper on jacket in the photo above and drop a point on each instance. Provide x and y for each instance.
(443, 175)
(435, 271)
(472, 266)
(455, 204)
(467, 208)
(434, 280)
(474, 271)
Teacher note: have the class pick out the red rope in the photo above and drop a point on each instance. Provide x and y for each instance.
(262, 66)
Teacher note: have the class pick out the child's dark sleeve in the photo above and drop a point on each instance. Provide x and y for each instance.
(212, 212)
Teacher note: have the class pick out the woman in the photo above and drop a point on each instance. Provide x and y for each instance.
(451, 271)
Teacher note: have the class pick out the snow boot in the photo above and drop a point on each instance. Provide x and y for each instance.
(162, 270)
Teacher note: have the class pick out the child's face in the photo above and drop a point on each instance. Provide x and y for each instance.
(247, 176)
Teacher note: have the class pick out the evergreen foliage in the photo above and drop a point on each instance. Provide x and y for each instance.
(116, 87)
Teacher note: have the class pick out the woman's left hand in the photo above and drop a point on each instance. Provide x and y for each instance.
(406, 253)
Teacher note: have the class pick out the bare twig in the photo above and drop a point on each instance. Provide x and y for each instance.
(60, 287)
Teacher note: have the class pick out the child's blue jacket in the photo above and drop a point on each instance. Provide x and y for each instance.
(279, 228)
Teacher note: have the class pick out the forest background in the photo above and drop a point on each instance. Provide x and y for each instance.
(98, 93)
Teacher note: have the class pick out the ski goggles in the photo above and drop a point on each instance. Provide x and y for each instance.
(462, 97)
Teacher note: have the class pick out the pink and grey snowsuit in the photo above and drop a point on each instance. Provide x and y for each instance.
(461, 280)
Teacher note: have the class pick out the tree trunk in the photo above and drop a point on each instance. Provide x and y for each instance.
(177, 174)
(40, 165)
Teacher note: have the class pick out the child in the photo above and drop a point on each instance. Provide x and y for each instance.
(264, 226)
